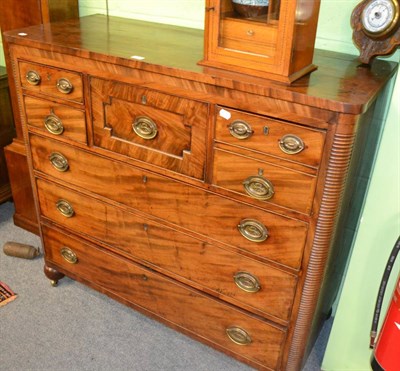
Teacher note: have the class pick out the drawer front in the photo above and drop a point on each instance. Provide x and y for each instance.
(51, 81)
(186, 206)
(150, 126)
(55, 119)
(231, 276)
(173, 302)
(257, 38)
(264, 181)
(262, 134)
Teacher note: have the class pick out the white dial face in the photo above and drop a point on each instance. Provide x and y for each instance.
(378, 16)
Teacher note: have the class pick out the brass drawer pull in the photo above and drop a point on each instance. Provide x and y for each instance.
(240, 129)
(247, 282)
(69, 255)
(59, 161)
(253, 230)
(238, 335)
(53, 124)
(65, 208)
(33, 77)
(145, 127)
(291, 144)
(259, 187)
(64, 86)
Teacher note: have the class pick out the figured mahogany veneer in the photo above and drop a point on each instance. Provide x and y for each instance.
(185, 308)
(192, 208)
(54, 119)
(16, 14)
(215, 202)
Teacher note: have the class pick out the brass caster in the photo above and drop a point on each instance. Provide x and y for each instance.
(54, 283)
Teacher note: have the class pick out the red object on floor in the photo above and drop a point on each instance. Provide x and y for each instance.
(386, 355)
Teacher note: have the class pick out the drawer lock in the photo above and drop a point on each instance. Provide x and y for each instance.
(291, 144)
(247, 282)
(69, 255)
(259, 188)
(238, 335)
(59, 161)
(253, 230)
(65, 208)
(53, 124)
(145, 127)
(240, 129)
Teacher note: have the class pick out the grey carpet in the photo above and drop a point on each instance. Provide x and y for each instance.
(72, 327)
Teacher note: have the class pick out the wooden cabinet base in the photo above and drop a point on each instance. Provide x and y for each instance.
(25, 214)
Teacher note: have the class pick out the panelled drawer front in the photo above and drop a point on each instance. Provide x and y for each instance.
(55, 119)
(176, 303)
(150, 126)
(262, 134)
(51, 81)
(264, 181)
(189, 207)
(256, 285)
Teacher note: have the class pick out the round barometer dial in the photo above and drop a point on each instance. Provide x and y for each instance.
(376, 28)
(380, 17)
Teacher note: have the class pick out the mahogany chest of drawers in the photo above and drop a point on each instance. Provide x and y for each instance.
(212, 201)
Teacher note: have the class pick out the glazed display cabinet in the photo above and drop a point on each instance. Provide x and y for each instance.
(272, 39)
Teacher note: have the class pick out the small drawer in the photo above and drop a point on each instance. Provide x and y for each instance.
(147, 125)
(264, 181)
(228, 275)
(51, 81)
(218, 323)
(265, 135)
(54, 119)
(189, 207)
(251, 37)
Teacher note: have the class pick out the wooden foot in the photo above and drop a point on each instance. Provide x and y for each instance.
(53, 275)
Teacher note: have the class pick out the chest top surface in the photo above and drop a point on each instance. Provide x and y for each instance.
(340, 83)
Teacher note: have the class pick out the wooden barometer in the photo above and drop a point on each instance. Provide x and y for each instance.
(272, 39)
(376, 28)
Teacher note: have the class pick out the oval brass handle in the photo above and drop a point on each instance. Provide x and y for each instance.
(240, 129)
(33, 77)
(53, 124)
(65, 208)
(145, 127)
(259, 187)
(238, 335)
(291, 144)
(59, 161)
(253, 230)
(69, 255)
(64, 86)
(247, 282)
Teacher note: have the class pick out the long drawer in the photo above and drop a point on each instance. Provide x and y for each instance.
(235, 278)
(268, 235)
(211, 319)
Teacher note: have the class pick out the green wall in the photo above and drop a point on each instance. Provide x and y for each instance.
(380, 223)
